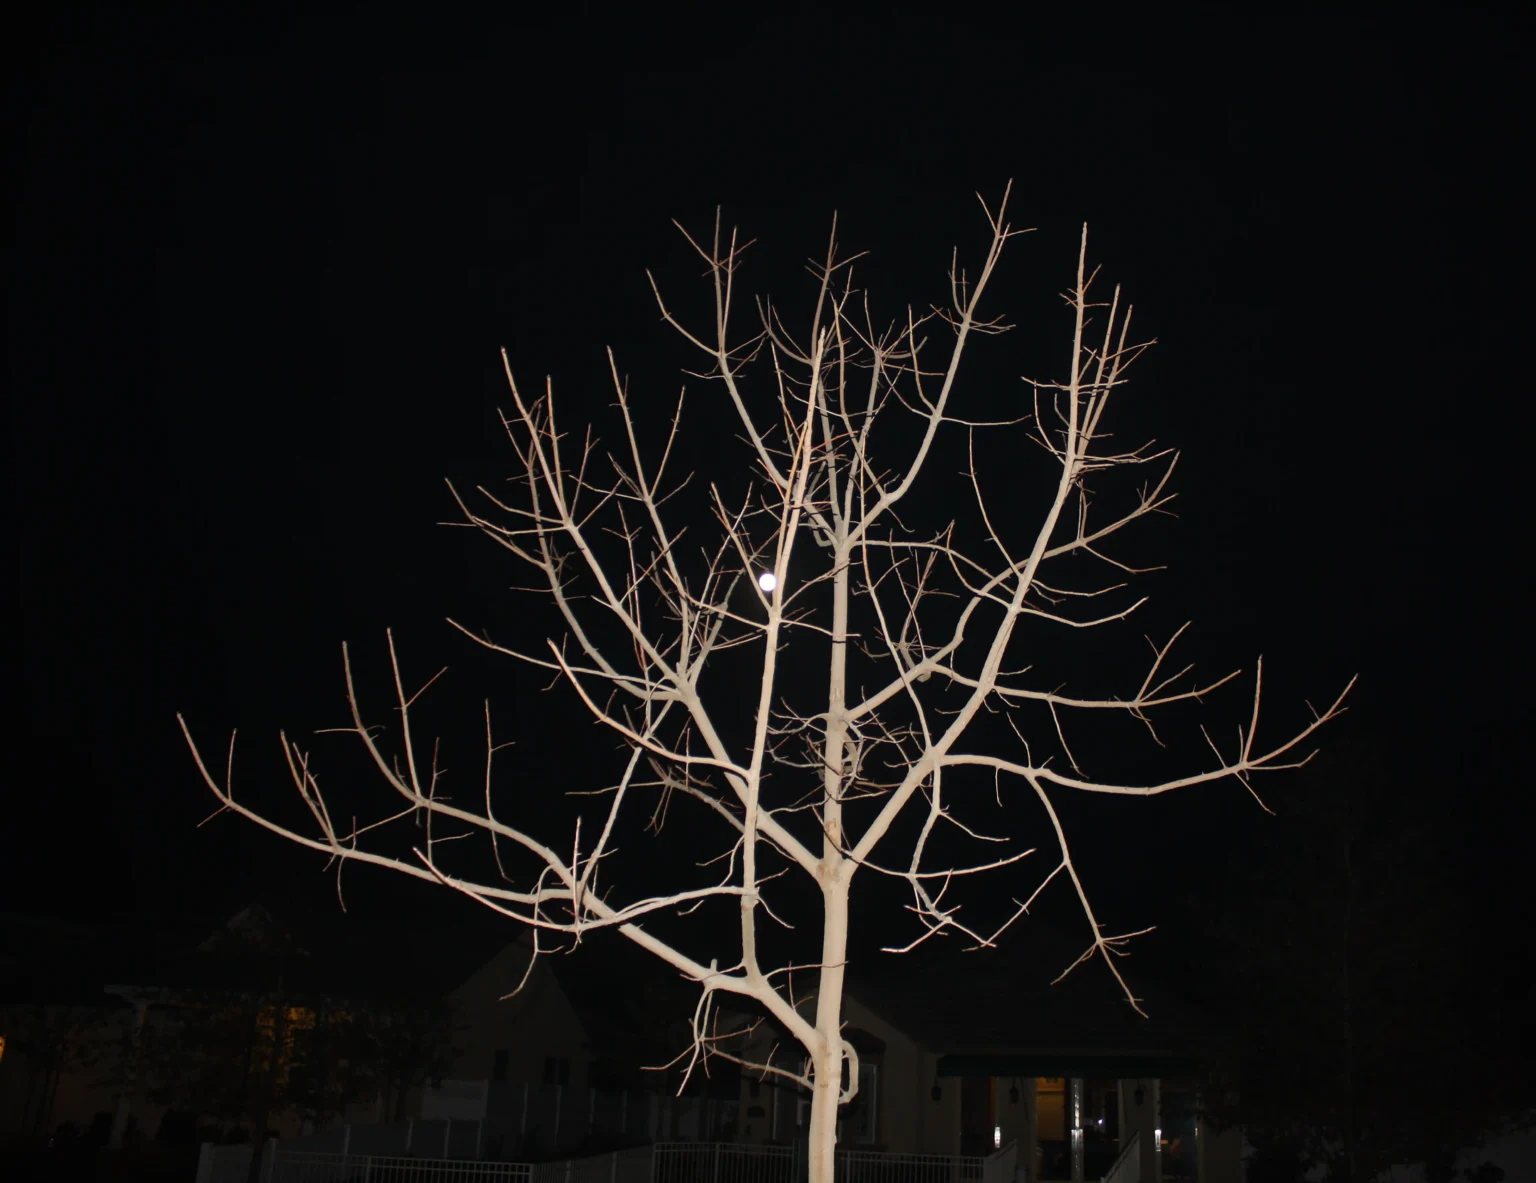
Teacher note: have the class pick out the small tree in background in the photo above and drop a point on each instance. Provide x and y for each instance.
(251, 1060)
(57, 1041)
(401, 1047)
(808, 568)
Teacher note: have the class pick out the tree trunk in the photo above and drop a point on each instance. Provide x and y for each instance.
(48, 1099)
(399, 1106)
(822, 1149)
(827, 1079)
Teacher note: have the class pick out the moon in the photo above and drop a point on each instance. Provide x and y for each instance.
(768, 581)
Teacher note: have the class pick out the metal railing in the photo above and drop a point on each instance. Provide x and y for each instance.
(1127, 1168)
(618, 1166)
(315, 1166)
(666, 1162)
(869, 1166)
(721, 1162)
(223, 1164)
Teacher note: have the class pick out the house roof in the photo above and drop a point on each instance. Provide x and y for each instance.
(322, 952)
(1000, 1006)
(643, 1021)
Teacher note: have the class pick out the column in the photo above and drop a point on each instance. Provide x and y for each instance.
(1029, 1139)
(1075, 1125)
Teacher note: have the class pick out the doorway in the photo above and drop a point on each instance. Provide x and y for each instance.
(978, 1114)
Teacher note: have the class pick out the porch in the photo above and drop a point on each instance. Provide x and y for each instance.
(1076, 1128)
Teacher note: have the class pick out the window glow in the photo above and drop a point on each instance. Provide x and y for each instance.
(767, 581)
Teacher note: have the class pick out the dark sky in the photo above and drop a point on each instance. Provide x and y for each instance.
(258, 276)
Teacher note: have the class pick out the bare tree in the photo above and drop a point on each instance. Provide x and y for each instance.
(916, 628)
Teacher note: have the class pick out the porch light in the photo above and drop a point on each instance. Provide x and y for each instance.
(997, 1137)
(768, 581)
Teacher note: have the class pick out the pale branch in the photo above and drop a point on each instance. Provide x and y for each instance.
(1244, 763)
(651, 637)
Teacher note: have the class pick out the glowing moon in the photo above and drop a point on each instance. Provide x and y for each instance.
(767, 581)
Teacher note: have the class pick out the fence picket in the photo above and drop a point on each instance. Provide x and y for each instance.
(667, 1162)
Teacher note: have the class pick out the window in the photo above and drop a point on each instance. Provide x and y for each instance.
(557, 1070)
(499, 1064)
(856, 1121)
(862, 1124)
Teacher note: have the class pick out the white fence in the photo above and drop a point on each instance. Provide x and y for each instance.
(308, 1166)
(530, 1122)
(667, 1162)
(621, 1166)
(223, 1164)
(724, 1162)
(432, 1137)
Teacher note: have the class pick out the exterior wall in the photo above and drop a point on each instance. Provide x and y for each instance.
(1221, 1155)
(906, 1076)
(907, 1120)
(1141, 1120)
(940, 1127)
(535, 1023)
(1017, 1118)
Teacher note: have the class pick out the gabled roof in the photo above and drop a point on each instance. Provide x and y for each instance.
(633, 1006)
(1001, 1003)
(324, 952)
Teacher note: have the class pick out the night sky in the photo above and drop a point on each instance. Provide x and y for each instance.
(258, 277)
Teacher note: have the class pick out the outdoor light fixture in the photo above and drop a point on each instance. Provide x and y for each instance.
(997, 1137)
(768, 581)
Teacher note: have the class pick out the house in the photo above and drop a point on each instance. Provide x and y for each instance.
(966, 1053)
(559, 1065)
(960, 1054)
(84, 1009)
(570, 1053)
(55, 1018)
